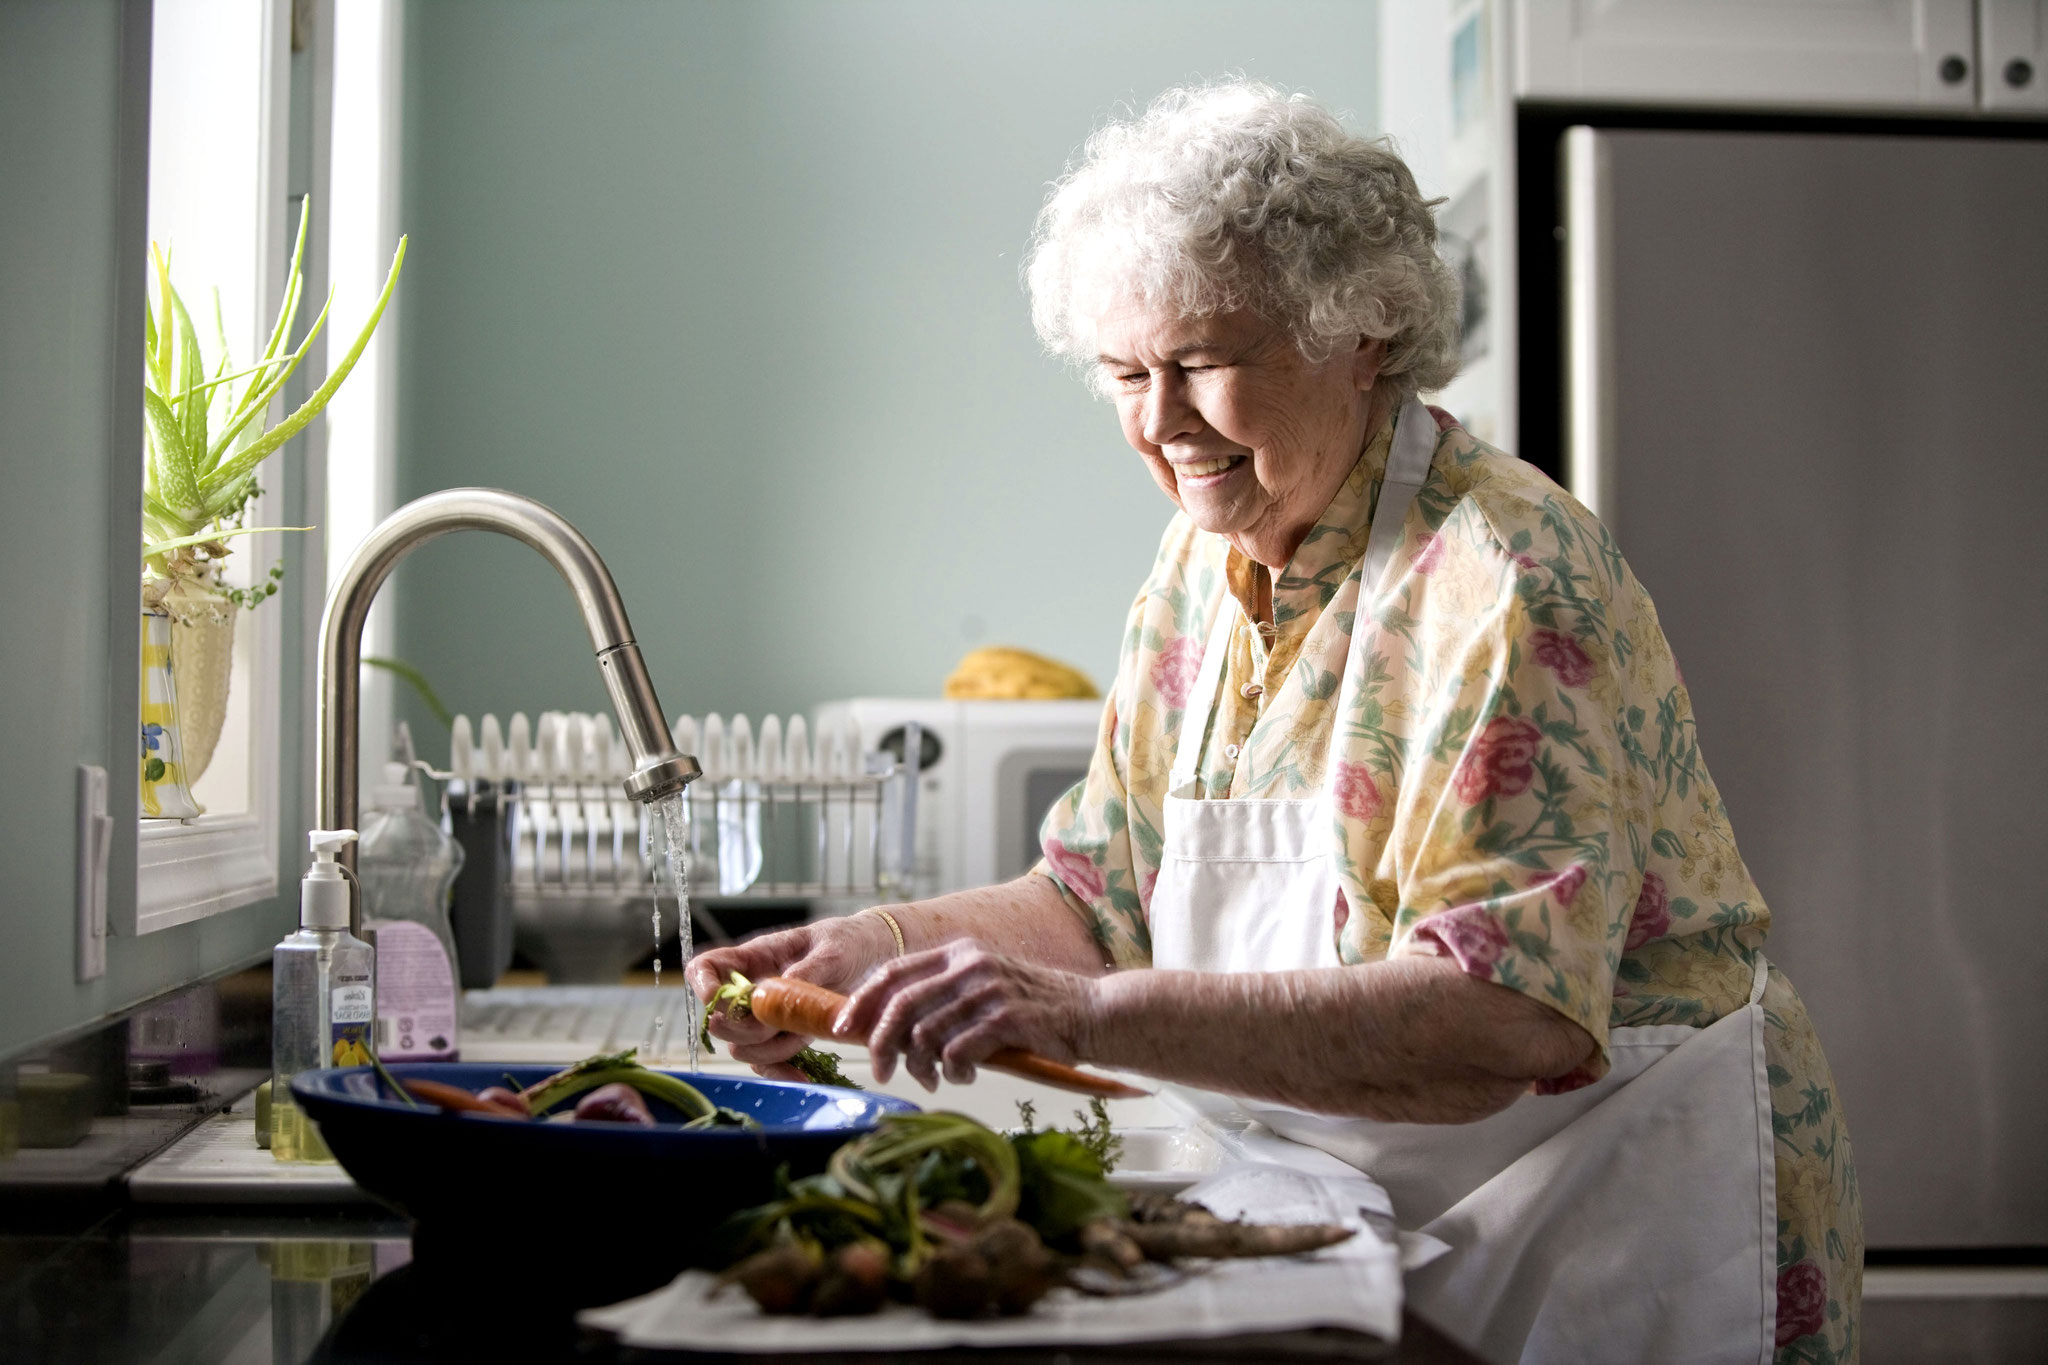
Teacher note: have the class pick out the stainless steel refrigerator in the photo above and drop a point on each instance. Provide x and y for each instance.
(1806, 384)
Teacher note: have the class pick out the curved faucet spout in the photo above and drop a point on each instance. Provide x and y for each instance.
(657, 768)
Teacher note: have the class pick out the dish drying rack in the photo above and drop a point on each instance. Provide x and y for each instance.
(555, 847)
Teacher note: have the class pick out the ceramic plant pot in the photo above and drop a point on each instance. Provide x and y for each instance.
(202, 656)
(166, 790)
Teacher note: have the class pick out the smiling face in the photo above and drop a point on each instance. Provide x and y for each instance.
(1250, 439)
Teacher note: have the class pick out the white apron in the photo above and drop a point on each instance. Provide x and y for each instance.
(1632, 1220)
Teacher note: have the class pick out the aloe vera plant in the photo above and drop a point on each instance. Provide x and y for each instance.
(205, 428)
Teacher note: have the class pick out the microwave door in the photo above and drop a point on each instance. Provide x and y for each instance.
(1028, 783)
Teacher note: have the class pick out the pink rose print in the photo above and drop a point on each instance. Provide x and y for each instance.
(1356, 794)
(1562, 655)
(1470, 935)
(1145, 889)
(1343, 909)
(1652, 915)
(1173, 672)
(1526, 563)
(1563, 887)
(1501, 762)
(1431, 556)
(1802, 1301)
(1076, 871)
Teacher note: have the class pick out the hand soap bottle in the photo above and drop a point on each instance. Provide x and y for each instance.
(322, 997)
(408, 865)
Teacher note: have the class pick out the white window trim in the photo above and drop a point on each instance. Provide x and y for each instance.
(190, 870)
(363, 227)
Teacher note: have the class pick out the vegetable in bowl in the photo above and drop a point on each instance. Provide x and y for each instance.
(576, 1212)
(614, 1075)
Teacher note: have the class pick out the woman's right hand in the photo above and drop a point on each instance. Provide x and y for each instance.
(834, 953)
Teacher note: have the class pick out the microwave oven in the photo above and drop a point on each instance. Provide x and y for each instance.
(988, 772)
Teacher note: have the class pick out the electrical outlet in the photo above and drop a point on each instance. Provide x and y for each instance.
(95, 839)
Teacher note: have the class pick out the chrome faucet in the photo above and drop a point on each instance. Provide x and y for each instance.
(658, 769)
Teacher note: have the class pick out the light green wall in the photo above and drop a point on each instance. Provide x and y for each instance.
(72, 177)
(734, 287)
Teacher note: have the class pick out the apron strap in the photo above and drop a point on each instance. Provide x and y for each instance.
(1407, 470)
(1408, 464)
(1761, 979)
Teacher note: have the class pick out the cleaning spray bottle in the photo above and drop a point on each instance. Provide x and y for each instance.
(408, 864)
(322, 997)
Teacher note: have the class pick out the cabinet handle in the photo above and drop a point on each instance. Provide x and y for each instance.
(2018, 72)
(1953, 69)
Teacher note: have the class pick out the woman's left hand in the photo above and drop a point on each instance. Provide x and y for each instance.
(945, 1010)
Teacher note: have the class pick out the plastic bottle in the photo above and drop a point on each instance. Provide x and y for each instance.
(407, 865)
(322, 997)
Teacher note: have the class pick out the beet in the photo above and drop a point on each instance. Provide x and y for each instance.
(781, 1279)
(856, 1281)
(614, 1103)
(955, 1283)
(1021, 1270)
(510, 1099)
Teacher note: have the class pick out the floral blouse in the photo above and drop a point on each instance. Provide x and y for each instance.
(1517, 785)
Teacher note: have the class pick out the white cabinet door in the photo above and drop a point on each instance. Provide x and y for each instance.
(1851, 54)
(2013, 65)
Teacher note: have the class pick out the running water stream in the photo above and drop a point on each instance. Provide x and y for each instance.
(669, 839)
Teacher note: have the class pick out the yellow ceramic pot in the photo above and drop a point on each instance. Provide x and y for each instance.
(166, 790)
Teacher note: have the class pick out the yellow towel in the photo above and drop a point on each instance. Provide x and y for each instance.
(999, 673)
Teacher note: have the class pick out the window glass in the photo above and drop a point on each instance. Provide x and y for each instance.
(209, 114)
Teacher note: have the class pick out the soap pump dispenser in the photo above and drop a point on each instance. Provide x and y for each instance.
(322, 997)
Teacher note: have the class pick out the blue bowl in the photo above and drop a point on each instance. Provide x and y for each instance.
(608, 1203)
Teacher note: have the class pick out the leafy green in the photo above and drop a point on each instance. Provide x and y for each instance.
(1092, 1130)
(392, 1081)
(821, 1068)
(1098, 1137)
(950, 1175)
(206, 432)
(1063, 1185)
(605, 1068)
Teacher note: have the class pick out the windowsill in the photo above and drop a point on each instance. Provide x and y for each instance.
(189, 869)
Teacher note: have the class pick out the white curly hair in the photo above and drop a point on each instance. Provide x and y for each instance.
(1233, 194)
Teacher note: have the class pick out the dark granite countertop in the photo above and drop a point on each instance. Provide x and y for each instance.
(287, 1288)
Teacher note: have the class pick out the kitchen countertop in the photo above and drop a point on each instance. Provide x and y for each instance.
(214, 1286)
(145, 1242)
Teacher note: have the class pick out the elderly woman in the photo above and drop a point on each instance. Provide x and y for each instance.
(1397, 827)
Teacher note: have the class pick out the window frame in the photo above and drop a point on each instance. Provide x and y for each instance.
(194, 869)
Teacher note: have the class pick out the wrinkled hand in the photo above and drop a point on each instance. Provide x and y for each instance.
(835, 953)
(946, 1010)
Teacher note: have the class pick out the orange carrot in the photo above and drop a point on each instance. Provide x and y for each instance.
(807, 1009)
(458, 1100)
